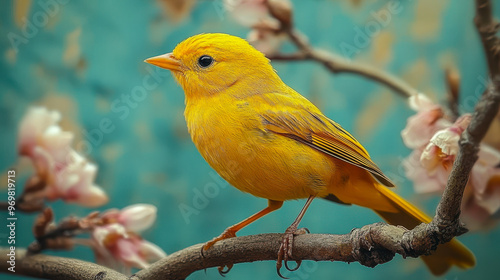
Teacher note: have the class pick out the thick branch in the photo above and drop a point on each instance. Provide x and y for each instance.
(370, 245)
(51, 267)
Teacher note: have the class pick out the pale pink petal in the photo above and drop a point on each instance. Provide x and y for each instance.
(151, 252)
(138, 217)
(447, 141)
(247, 12)
(420, 102)
(421, 127)
(488, 156)
(423, 182)
(121, 249)
(44, 163)
(266, 41)
(104, 257)
(74, 183)
(33, 124)
(491, 201)
(430, 158)
(92, 197)
(484, 169)
(480, 176)
(99, 234)
(463, 122)
(128, 251)
(476, 217)
(111, 215)
(57, 143)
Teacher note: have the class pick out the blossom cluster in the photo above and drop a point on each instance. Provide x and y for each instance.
(434, 141)
(118, 244)
(266, 35)
(64, 173)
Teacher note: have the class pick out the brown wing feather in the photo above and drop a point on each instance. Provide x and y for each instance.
(349, 152)
(326, 136)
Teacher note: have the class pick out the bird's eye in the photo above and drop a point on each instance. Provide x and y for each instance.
(205, 60)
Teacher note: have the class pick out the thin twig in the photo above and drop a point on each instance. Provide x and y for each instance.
(453, 96)
(337, 64)
(487, 28)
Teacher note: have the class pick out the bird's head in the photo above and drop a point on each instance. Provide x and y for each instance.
(208, 64)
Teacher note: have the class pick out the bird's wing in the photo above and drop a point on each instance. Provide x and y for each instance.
(295, 117)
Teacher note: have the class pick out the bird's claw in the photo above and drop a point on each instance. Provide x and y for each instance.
(223, 272)
(225, 235)
(285, 251)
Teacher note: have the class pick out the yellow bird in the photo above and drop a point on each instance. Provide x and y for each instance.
(266, 139)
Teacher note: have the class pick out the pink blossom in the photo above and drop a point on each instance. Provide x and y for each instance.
(117, 245)
(443, 146)
(74, 183)
(66, 174)
(136, 218)
(266, 41)
(485, 184)
(266, 34)
(248, 12)
(423, 182)
(475, 217)
(422, 126)
(35, 124)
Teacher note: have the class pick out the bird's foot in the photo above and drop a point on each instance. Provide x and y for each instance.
(228, 233)
(285, 251)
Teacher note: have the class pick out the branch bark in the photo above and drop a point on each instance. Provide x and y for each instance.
(370, 245)
(487, 28)
(52, 267)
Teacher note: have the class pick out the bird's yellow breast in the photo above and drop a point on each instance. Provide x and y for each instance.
(230, 135)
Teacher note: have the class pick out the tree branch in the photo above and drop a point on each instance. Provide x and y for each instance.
(370, 245)
(52, 267)
(340, 65)
(487, 28)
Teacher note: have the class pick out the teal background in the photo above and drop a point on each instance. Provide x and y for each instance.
(90, 54)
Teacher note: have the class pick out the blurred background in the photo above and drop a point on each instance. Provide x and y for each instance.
(85, 59)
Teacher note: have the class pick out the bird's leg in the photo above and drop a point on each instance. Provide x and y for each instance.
(285, 250)
(231, 231)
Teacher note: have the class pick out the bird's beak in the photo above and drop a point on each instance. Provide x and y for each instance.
(167, 61)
